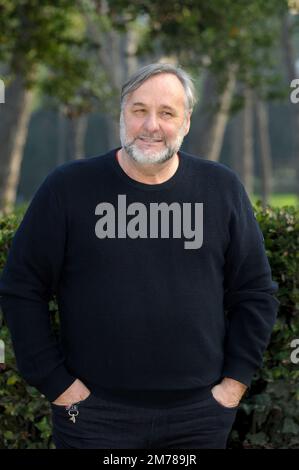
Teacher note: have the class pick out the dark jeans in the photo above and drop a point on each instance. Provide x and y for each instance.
(103, 424)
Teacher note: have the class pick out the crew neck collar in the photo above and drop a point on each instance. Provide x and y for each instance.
(145, 186)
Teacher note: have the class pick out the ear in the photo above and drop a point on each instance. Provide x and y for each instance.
(188, 122)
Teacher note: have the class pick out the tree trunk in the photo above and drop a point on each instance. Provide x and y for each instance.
(213, 113)
(248, 161)
(76, 131)
(112, 55)
(62, 137)
(236, 144)
(131, 43)
(221, 117)
(80, 133)
(265, 150)
(14, 118)
(2, 92)
(204, 116)
(289, 60)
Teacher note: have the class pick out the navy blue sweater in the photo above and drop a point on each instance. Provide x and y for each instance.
(157, 302)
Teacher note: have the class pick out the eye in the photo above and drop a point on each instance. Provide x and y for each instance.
(139, 111)
(166, 113)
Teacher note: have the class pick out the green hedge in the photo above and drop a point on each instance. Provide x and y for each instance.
(269, 413)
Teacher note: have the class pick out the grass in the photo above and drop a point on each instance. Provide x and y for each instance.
(279, 200)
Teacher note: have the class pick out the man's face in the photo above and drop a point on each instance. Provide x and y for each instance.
(155, 119)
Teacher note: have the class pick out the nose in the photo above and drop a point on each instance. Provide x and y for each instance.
(151, 123)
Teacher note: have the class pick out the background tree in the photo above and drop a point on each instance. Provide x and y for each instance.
(42, 44)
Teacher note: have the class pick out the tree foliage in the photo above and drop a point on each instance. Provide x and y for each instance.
(215, 34)
(46, 42)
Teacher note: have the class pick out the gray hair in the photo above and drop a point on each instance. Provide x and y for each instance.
(150, 70)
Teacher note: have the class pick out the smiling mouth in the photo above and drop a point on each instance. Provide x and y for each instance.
(150, 141)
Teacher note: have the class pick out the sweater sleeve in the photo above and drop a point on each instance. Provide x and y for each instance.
(29, 279)
(249, 300)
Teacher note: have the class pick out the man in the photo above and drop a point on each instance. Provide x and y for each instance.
(163, 286)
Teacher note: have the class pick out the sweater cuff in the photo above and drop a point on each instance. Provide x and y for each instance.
(239, 370)
(56, 383)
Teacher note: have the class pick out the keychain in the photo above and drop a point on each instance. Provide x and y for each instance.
(72, 412)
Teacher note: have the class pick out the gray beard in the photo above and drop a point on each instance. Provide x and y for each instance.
(140, 157)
